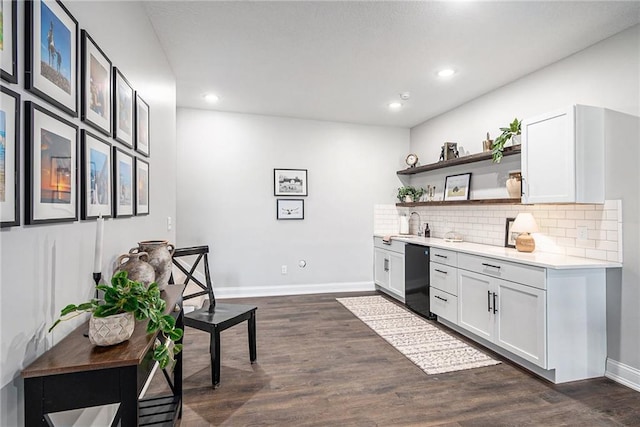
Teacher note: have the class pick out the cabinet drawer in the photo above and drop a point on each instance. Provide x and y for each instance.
(394, 245)
(444, 277)
(444, 256)
(514, 272)
(443, 304)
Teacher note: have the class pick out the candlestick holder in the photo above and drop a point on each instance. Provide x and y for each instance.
(96, 278)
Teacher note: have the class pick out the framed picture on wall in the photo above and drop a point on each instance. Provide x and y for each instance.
(509, 236)
(142, 126)
(96, 86)
(290, 208)
(456, 187)
(123, 96)
(9, 158)
(51, 62)
(51, 177)
(96, 177)
(123, 190)
(142, 187)
(290, 182)
(9, 41)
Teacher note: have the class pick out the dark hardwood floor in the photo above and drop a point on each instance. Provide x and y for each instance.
(318, 365)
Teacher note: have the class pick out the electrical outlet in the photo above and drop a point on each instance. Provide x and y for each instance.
(582, 233)
(284, 269)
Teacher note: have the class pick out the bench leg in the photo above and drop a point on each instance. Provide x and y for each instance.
(252, 338)
(214, 348)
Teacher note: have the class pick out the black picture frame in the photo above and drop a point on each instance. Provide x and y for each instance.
(53, 77)
(123, 184)
(142, 126)
(96, 85)
(457, 187)
(10, 163)
(289, 209)
(51, 160)
(123, 103)
(509, 239)
(97, 182)
(9, 57)
(142, 187)
(290, 182)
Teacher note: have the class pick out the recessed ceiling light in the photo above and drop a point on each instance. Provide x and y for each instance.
(211, 98)
(395, 105)
(447, 72)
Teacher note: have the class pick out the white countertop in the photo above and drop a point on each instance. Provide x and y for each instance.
(540, 259)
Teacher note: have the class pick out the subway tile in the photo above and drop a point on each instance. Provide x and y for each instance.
(613, 257)
(595, 215)
(606, 246)
(585, 207)
(557, 214)
(608, 225)
(548, 222)
(610, 204)
(579, 252)
(585, 223)
(597, 234)
(566, 223)
(575, 215)
(612, 235)
(596, 254)
(566, 242)
(556, 232)
(587, 244)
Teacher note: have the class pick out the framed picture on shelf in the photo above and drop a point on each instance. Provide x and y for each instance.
(123, 190)
(9, 158)
(96, 177)
(290, 208)
(123, 96)
(51, 159)
(9, 41)
(142, 187)
(290, 182)
(456, 187)
(51, 59)
(509, 236)
(142, 126)
(96, 86)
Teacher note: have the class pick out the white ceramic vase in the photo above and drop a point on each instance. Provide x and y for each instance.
(111, 330)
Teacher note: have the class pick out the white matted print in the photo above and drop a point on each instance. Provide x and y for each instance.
(9, 41)
(290, 209)
(142, 187)
(290, 182)
(96, 86)
(51, 160)
(456, 187)
(96, 177)
(122, 183)
(9, 158)
(51, 62)
(123, 96)
(142, 126)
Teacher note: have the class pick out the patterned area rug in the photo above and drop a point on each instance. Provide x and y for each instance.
(433, 350)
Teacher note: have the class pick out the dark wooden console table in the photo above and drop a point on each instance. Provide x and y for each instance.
(75, 374)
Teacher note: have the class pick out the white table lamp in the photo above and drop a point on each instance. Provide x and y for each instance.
(525, 224)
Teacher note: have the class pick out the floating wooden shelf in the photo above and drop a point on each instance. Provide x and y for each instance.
(473, 158)
(462, 202)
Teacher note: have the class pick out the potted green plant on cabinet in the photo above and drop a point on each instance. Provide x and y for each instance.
(511, 133)
(124, 301)
(408, 194)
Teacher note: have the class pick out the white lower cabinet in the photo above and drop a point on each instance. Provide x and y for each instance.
(511, 315)
(388, 271)
(443, 282)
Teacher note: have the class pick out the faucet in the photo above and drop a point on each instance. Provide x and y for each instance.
(419, 221)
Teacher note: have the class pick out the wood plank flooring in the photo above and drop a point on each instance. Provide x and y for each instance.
(318, 365)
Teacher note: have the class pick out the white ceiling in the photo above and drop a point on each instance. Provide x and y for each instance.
(346, 61)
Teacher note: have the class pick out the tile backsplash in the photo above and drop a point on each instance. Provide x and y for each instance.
(486, 224)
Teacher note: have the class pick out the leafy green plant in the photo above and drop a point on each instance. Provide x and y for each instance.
(507, 134)
(128, 296)
(415, 193)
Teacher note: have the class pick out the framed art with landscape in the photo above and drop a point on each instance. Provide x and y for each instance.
(456, 187)
(290, 182)
(96, 177)
(142, 187)
(123, 96)
(96, 86)
(51, 61)
(8, 41)
(122, 183)
(51, 159)
(9, 158)
(142, 126)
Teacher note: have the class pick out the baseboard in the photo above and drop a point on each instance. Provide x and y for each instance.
(269, 291)
(623, 374)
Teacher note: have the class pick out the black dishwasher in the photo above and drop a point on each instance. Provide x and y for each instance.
(416, 279)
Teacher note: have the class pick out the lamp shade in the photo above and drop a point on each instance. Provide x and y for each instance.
(524, 223)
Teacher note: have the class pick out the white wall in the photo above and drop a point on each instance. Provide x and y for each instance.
(607, 75)
(44, 267)
(225, 198)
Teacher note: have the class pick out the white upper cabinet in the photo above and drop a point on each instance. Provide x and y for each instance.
(563, 156)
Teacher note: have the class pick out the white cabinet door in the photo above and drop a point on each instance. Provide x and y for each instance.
(475, 303)
(381, 268)
(548, 159)
(521, 321)
(396, 273)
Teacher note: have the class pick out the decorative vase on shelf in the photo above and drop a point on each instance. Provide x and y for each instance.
(159, 253)
(514, 185)
(137, 267)
(111, 330)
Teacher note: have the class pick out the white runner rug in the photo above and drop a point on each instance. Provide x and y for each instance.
(431, 349)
